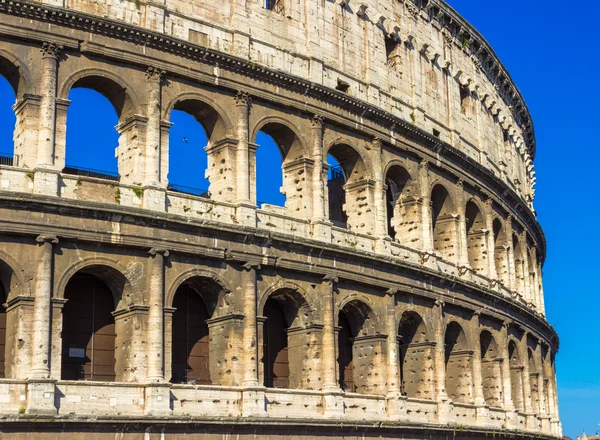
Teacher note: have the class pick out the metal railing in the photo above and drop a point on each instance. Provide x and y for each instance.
(7, 159)
(189, 190)
(87, 172)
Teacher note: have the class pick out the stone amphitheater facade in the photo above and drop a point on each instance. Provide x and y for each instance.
(400, 297)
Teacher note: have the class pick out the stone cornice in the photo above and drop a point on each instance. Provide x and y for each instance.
(163, 42)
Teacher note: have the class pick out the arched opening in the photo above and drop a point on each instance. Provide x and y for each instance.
(348, 189)
(282, 170)
(516, 376)
(190, 358)
(459, 377)
(501, 252)
(416, 356)
(476, 237)
(8, 118)
(397, 209)
(195, 350)
(443, 222)
(533, 381)
(93, 142)
(193, 122)
(491, 372)
(356, 348)
(287, 341)
(519, 265)
(89, 333)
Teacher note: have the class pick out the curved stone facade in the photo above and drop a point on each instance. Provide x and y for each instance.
(402, 290)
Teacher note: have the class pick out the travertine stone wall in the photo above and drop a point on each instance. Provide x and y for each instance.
(437, 269)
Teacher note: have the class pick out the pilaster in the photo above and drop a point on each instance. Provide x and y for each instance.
(155, 372)
(333, 401)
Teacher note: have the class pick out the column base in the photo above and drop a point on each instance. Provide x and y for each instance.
(253, 402)
(40, 397)
(154, 198)
(157, 399)
(45, 182)
(483, 411)
(321, 230)
(445, 411)
(333, 404)
(396, 407)
(245, 214)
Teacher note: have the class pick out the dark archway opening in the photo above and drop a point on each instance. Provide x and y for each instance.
(396, 181)
(277, 366)
(336, 179)
(190, 358)
(345, 355)
(88, 336)
(443, 222)
(476, 238)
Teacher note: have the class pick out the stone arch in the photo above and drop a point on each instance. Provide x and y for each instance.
(194, 347)
(501, 246)
(358, 347)
(112, 273)
(401, 210)
(218, 306)
(516, 374)
(11, 277)
(491, 370)
(90, 332)
(17, 74)
(208, 112)
(295, 162)
(194, 163)
(416, 356)
(476, 236)
(519, 264)
(349, 188)
(459, 364)
(121, 94)
(443, 222)
(285, 339)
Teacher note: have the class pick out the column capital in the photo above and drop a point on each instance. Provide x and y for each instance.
(41, 239)
(460, 183)
(439, 303)
(376, 143)
(391, 292)
(317, 121)
(424, 165)
(154, 74)
(330, 279)
(249, 265)
(506, 324)
(158, 251)
(51, 50)
(243, 99)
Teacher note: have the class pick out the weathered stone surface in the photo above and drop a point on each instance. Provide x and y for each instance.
(406, 291)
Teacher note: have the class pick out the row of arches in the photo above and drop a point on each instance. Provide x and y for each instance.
(92, 334)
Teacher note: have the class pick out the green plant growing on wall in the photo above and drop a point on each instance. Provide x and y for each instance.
(118, 195)
(139, 192)
(30, 176)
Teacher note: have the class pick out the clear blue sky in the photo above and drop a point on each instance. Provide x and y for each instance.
(549, 47)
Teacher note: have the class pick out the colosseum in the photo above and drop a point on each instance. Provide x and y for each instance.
(397, 294)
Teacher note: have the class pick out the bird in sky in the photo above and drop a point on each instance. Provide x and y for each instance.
(185, 140)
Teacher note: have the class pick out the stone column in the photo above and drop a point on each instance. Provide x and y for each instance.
(46, 177)
(542, 305)
(506, 386)
(463, 247)
(477, 378)
(40, 366)
(156, 284)
(47, 121)
(426, 225)
(154, 190)
(242, 105)
(393, 395)
(253, 399)
(440, 363)
(321, 224)
(245, 199)
(491, 240)
(512, 272)
(379, 199)
(333, 403)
